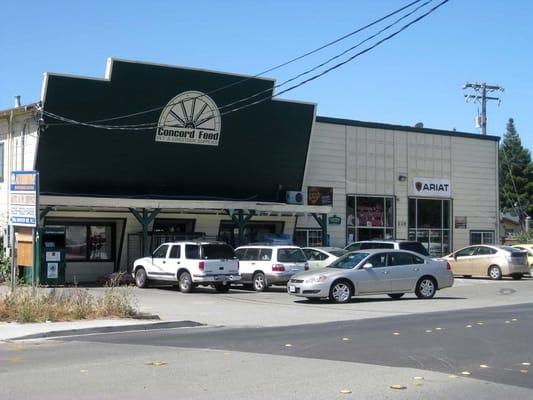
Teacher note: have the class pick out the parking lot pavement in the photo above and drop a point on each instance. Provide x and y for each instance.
(245, 308)
(276, 308)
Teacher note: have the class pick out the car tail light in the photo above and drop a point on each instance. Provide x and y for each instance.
(448, 266)
(306, 267)
(278, 268)
(201, 265)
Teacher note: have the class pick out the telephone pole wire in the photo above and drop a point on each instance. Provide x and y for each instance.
(483, 89)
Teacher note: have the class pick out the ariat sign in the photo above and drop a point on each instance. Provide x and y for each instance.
(430, 187)
(191, 118)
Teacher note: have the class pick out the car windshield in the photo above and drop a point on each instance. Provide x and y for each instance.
(414, 246)
(348, 261)
(291, 255)
(217, 251)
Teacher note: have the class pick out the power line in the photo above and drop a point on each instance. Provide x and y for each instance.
(316, 50)
(330, 59)
(267, 70)
(344, 62)
(154, 125)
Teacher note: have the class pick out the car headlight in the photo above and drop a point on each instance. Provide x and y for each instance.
(316, 279)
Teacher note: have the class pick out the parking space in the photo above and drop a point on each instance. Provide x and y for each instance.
(275, 307)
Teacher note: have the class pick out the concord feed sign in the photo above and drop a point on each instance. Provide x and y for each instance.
(191, 118)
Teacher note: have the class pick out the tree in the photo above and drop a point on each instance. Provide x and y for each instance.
(516, 175)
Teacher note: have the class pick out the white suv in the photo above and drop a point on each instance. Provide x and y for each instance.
(265, 265)
(189, 264)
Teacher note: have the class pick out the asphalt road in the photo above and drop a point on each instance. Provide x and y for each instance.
(315, 361)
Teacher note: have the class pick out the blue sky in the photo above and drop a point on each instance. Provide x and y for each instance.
(415, 77)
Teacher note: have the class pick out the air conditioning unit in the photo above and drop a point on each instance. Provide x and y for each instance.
(294, 197)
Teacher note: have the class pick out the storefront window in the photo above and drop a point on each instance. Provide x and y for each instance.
(84, 242)
(308, 237)
(100, 240)
(369, 218)
(76, 242)
(429, 223)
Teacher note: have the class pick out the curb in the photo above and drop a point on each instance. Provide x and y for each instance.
(110, 329)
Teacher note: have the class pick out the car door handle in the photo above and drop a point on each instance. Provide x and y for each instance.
(416, 269)
(164, 262)
(177, 262)
(385, 272)
(253, 263)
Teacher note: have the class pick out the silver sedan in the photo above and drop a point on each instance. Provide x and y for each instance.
(369, 272)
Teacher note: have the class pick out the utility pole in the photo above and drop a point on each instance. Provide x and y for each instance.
(483, 88)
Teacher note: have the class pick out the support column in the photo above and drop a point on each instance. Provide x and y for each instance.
(240, 218)
(322, 220)
(145, 219)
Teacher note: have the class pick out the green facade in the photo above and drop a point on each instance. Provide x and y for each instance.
(260, 148)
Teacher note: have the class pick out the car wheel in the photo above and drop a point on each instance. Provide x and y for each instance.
(495, 272)
(426, 288)
(340, 292)
(185, 282)
(259, 282)
(516, 277)
(220, 287)
(396, 295)
(141, 279)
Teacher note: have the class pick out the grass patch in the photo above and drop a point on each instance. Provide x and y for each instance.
(41, 304)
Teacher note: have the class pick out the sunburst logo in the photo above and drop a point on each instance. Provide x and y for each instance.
(191, 118)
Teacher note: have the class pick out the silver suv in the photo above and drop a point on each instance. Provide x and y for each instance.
(417, 247)
(265, 265)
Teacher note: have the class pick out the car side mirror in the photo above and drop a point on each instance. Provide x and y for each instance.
(455, 256)
(367, 266)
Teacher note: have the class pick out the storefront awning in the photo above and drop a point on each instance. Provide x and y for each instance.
(65, 203)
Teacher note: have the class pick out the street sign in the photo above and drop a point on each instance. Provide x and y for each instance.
(23, 192)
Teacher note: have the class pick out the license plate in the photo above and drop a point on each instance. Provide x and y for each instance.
(292, 289)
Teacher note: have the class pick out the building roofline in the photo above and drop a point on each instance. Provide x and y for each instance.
(28, 108)
(379, 125)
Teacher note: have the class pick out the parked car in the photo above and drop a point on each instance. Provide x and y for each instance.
(189, 264)
(320, 257)
(417, 247)
(266, 265)
(489, 260)
(528, 247)
(375, 271)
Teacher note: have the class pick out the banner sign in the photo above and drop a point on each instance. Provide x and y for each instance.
(191, 118)
(431, 187)
(23, 192)
(319, 196)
